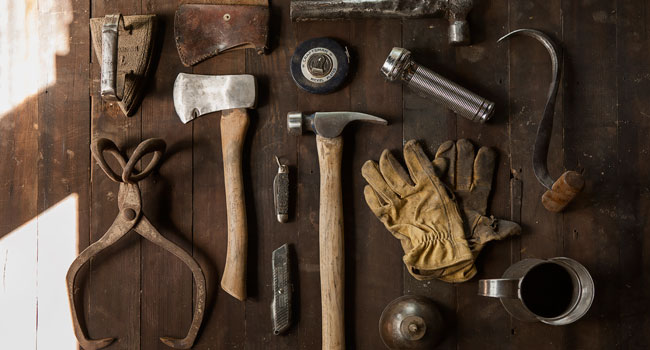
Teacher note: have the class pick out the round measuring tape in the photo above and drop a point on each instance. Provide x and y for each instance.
(320, 65)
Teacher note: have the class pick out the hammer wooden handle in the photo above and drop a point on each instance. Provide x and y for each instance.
(330, 237)
(234, 123)
(563, 191)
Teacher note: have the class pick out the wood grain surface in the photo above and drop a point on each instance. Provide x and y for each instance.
(234, 124)
(137, 292)
(330, 242)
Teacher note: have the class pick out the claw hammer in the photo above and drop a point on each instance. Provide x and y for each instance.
(328, 127)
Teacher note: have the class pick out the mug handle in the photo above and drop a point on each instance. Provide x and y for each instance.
(499, 288)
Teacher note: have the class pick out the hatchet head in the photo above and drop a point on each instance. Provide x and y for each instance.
(196, 95)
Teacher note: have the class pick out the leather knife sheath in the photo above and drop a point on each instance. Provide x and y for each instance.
(205, 30)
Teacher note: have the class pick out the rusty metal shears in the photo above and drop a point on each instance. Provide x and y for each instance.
(130, 218)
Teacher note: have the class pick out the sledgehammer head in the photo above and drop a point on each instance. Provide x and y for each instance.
(196, 95)
(326, 124)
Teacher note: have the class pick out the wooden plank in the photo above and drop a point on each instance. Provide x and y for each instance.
(268, 137)
(63, 171)
(530, 72)
(431, 124)
(631, 200)
(167, 196)
(225, 322)
(591, 227)
(18, 229)
(483, 68)
(308, 193)
(113, 282)
(372, 252)
(604, 132)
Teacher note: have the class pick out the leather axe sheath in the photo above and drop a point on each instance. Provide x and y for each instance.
(203, 28)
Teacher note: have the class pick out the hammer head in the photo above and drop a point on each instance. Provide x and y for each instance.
(196, 95)
(326, 124)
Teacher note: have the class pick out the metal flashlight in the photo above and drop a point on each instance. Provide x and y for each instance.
(429, 84)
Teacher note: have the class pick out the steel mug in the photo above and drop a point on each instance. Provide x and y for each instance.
(557, 291)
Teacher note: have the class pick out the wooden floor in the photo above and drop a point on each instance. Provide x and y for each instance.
(137, 292)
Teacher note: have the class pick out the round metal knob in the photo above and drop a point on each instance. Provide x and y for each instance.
(411, 322)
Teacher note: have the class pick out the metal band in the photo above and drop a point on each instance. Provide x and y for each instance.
(110, 31)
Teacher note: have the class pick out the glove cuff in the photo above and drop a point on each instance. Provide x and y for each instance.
(457, 275)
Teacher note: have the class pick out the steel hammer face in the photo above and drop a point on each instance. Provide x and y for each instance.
(326, 124)
(196, 95)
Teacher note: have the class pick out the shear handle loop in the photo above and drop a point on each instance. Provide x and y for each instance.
(157, 146)
(98, 147)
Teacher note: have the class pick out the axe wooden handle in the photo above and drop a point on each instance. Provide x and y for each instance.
(563, 191)
(234, 123)
(330, 237)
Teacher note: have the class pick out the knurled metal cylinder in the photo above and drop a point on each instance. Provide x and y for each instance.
(429, 84)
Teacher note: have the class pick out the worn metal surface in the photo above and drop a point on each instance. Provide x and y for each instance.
(454, 10)
(202, 31)
(109, 57)
(429, 84)
(282, 290)
(562, 191)
(509, 290)
(130, 217)
(411, 322)
(196, 95)
(545, 129)
(327, 124)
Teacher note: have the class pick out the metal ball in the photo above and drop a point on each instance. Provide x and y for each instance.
(411, 322)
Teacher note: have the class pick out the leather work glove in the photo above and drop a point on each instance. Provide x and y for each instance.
(470, 177)
(419, 210)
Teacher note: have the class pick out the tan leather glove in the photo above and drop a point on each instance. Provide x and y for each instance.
(419, 210)
(470, 177)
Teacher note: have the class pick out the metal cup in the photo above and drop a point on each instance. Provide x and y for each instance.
(557, 291)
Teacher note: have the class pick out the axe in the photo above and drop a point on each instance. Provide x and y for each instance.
(196, 95)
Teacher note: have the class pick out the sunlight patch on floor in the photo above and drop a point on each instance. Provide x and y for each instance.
(34, 260)
(32, 34)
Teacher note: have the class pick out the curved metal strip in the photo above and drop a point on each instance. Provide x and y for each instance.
(545, 129)
(117, 230)
(157, 146)
(97, 148)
